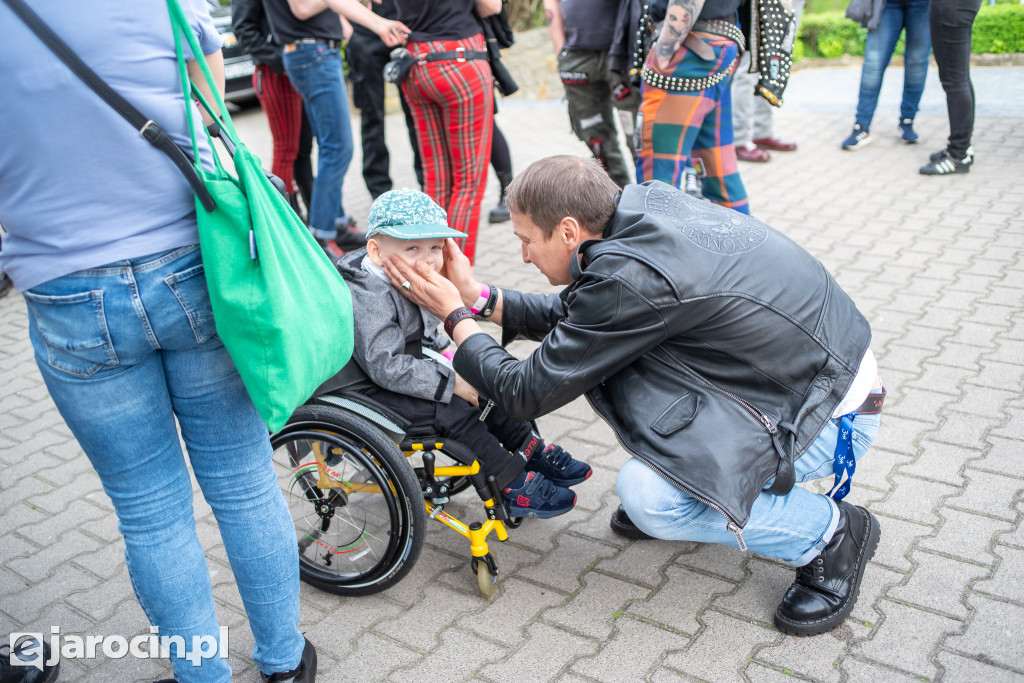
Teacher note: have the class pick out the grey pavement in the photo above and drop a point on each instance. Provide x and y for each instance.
(936, 264)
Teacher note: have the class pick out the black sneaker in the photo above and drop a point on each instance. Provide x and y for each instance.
(531, 495)
(348, 238)
(499, 214)
(936, 156)
(558, 467)
(27, 670)
(907, 132)
(5, 284)
(305, 673)
(943, 163)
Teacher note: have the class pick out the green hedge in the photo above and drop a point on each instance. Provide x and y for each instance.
(998, 29)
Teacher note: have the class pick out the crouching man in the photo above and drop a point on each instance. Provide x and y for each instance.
(727, 360)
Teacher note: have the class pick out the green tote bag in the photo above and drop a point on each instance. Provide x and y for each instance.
(280, 306)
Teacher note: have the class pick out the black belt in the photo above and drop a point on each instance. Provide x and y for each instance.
(872, 405)
(458, 54)
(331, 44)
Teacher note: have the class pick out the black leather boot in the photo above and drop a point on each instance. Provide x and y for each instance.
(826, 588)
(500, 214)
(305, 673)
(623, 526)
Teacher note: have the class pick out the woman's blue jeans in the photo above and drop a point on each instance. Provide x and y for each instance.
(897, 15)
(316, 73)
(125, 349)
(792, 528)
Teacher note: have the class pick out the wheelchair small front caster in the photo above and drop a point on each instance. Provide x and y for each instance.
(486, 570)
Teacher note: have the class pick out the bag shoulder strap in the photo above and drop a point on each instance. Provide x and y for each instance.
(148, 129)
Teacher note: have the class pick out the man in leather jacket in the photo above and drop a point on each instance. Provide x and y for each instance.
(726, 359)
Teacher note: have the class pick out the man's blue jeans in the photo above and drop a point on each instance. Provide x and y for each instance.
(125, 349)
(792, 528)
(896, 15)
(316, 73)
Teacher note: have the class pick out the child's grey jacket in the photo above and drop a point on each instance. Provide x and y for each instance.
(389, 334)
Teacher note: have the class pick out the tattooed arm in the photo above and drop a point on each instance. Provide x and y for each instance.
(679, 19)
(553, 16)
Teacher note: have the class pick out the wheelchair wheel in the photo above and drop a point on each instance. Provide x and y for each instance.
(359, 517)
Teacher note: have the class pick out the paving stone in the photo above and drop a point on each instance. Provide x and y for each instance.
(459, 653)
(15, 547)
(597, 527)
(1007, 579)
(1008, 376)
(46, 529)
(906, 637)
(439, 606)
(810, 658)
(720, 560)
(593, 610)
(517, 604)
(679, 603)
(641, 562)
(591, 493)
(901, 435)
(629, 653)
(918, 403)
(968, 431)
(720, 651)
(562, 567)
(101, 602)
(860, 671)
(365, 664)
(945, 378)
(14, 476)
(26, 604)
(536, 660)
(989, 494)
(914, 499)
(995, 634)
(877, 580)
(959, 668)
(40, 564)
(431, 565)
(939, 462)
(540, 535)
(932, 571)
(965, 535)
(1002, 458)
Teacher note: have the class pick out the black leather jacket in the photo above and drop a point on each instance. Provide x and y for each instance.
(714, 346)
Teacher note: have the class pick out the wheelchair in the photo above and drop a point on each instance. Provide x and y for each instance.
(360, 506)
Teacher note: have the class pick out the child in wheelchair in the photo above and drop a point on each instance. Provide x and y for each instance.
(400, 360)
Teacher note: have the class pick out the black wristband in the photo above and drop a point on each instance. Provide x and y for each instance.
(492, 301)
(454, 318)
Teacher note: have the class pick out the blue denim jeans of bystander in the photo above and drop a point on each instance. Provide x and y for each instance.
(897, 15)
(125, 349)
(316, 72)
(792, 528)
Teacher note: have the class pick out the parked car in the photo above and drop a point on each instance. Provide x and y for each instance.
(238, 66)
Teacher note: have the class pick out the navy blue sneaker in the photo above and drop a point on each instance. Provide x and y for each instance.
(558, 467)
(860, 137)
(531, 495)
(907, 131)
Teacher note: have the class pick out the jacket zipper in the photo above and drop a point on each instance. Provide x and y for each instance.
(732, 525)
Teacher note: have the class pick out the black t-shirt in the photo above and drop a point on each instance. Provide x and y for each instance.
(287, 29)
(713, 9)
(589, 24)
(385, 8)
(438, 19)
